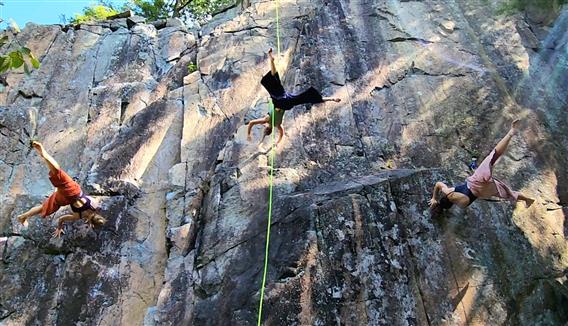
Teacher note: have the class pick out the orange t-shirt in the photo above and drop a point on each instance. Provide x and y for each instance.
(67, 192)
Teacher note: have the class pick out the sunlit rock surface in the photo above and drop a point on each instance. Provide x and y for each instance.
(425, 85)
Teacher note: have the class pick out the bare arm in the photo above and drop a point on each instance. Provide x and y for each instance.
(63, 219)
(439, 187)
(252, 123)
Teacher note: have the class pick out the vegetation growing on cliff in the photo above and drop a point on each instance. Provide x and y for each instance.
(154, 9)
(512, 6)
(94, 13)
(21, 57)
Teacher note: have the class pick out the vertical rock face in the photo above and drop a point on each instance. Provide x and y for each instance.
(425, 85)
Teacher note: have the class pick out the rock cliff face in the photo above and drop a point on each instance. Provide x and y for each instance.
(424, 85)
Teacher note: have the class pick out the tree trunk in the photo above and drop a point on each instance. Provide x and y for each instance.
(178, 6)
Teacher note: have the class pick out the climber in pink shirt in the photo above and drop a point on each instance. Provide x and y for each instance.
(481, 184)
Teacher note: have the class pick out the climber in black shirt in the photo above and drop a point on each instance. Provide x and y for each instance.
(282, 100)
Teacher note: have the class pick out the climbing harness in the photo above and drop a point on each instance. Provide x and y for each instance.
(265, 270)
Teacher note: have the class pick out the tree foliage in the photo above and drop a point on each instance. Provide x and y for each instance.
(154, 9)
(95, 12)
(551, 6)
(150, 9)
(22, 57)
(188, 9)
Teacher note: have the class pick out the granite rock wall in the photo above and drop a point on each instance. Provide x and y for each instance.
(425, 85)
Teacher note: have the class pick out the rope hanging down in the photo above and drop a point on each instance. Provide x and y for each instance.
(273, 110)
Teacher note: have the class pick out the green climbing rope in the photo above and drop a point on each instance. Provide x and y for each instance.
(273, 110)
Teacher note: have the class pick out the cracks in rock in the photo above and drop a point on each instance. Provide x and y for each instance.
(18, 135)
(212, 94)
(414, 71)
(420, 292)
(333, 82)
(409, 38)
(283, 220)
(48, 48)
(93, 82)
(195, 209)
(28, 96)
(16, 235)
(92, 32)
(255, 235)
(250, 28)
(467, 51)
(359, 133)
(123, 106)
(6, 316)
(4, 253)
(141, 298)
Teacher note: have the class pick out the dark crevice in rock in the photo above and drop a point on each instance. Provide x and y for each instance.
(210, 94)
(289, 272)
(3, 81)
(52, 251)
(195, 208)
(406, 39)
(421, 294)
(333, 82)
(93, 82)
(123, 106)
(467, 51)
(28, 96)
(49, 48)
(173, 60)
(414, 71)
(7, 315)
(12, 136)
(92, 32)
(246, 29)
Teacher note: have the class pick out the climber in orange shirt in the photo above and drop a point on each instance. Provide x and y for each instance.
(68, 193)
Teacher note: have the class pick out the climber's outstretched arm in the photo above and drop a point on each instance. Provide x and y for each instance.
(438, 187)
(65, 218)
(255, 122)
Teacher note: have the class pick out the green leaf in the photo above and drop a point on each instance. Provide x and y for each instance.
(35, 62)
(26, 69)
(25, 51)
(6, 64)
(17, 59)
(3, 40)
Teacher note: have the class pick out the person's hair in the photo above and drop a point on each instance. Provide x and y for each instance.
(95, 218)
(267, 130)
(439, 207)
(436, 210)
(445, 203)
